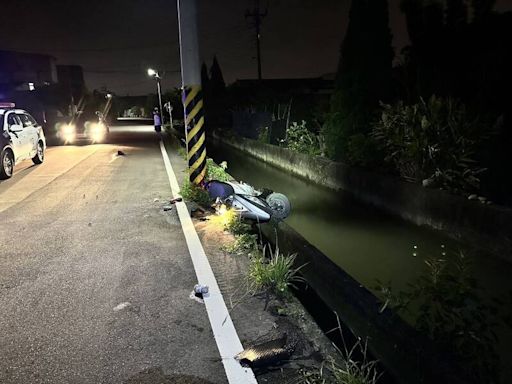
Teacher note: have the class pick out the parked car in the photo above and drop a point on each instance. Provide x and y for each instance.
(21, 138)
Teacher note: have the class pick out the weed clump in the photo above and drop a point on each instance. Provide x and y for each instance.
(216, 172)
(192, 192)
(244, 243)
(274, 274)
(233, 223)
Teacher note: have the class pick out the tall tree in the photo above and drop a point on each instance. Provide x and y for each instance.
(216, 107)
(364, 74)
(204, 77)
(217, 83)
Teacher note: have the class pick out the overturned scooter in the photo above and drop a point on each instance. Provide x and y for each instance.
(260, 206)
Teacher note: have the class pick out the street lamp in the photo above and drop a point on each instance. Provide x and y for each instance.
(156, 76)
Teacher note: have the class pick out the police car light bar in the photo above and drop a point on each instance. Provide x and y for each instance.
(7, 105)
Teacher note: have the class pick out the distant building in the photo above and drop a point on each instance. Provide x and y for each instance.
(274, 104)
(34, 82)
(133, 106)
(26, 71)
(308, 86)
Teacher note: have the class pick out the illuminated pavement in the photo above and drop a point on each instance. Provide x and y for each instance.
(94, 277)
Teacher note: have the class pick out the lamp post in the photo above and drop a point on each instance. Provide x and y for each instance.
(156, 76)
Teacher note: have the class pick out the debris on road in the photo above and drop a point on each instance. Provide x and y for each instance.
(167, 208)
(156, 200)
(121, 153)
(122, 306)
(195, 297)
(266, 354)
(200, 290)
(176, 200)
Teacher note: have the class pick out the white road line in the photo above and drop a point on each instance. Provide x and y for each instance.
(224, 331)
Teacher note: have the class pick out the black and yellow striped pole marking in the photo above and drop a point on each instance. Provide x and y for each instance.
(194, 125)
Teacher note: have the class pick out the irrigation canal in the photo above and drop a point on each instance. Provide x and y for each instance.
(367, 243)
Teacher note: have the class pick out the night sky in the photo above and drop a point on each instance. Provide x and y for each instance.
(117, 40)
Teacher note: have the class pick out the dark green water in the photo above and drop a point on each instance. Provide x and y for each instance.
(362, 240)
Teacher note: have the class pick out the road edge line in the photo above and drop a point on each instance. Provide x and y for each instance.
(224, 332)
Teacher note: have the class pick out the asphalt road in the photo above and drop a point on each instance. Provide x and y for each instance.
(95, 277)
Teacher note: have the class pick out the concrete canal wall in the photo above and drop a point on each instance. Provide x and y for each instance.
(465, 220)
(408, 356)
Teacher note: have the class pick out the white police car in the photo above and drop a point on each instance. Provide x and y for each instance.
(21, 138)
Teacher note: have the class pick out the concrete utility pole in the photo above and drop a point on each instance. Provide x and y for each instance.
(159, 91)
(192, 96)
(257, 16)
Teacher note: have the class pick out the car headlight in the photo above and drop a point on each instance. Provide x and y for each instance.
(97, 132)
(68, 132)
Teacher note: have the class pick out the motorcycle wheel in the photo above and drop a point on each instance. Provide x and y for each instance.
(279, 204)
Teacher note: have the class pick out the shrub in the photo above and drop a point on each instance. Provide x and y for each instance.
(446, 304)
(275, 274)
(192, 192)
(235, 224)
(335, 136)
(216, 172)
(344, 368)
(432, 141)
(300, 139)
(362, 150)
(182, 152)
(244, 243)
(263, 136)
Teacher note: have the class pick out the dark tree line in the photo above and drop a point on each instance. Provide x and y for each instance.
(363, 78)
(214, 94)
(459, 49)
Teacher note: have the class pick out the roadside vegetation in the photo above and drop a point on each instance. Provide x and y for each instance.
(182, 152)
(344, 368)
(447, 305)
(270, 271)
(195, 193)
(433, 142)
(300, 139)
(198, 194)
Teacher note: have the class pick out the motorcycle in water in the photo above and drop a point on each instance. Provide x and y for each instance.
(249, 203)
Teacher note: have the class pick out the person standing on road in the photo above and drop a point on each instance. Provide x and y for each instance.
(158, 123)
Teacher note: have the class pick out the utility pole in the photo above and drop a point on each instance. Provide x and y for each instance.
(192, 95)
(257, 17)
(159, 91)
